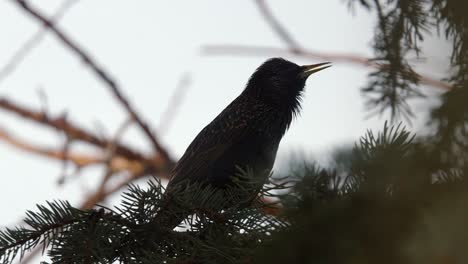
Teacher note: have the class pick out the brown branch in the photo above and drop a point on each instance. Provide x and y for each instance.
(100, 192)
(62, 125)
(116, 164)
(100, 73)
(244, 50)
(78, 159)
(125, 159)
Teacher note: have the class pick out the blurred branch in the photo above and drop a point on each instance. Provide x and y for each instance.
(33, 41)
(295, 49)
(103, 193)
(101, 190)
(65, 150)
(101, 73)
(77, 159)
(245, 50)
(116, 164)
(277, 27)
(72, 130)
(174, 103)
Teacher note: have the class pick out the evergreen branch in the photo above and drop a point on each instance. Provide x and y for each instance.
(44, 227)
(450, 120)
(141, 206)
(125, 233)
(397, 32)
(376, 160)
(393, 137)
(451, 117)
(230, 235)
(452, 15)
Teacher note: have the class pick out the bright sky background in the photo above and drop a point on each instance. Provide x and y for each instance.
(148, 46)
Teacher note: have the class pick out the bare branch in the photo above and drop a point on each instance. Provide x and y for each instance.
(65, 151)
(103, 191)
(77, 159)
(111, 154)
(100, 72)
(151, 165)
(244, 50)
(29, 45)
(61, 124)
(294, 49)
(101, 194)
(174, 103)
(116, 164)
(277, 27)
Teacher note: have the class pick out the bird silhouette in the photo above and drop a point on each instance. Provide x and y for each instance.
(245, 135)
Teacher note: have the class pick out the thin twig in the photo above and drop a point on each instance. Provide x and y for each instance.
(100, 195)
(245, 50)
(100, 72)
(295, 49)
(61, 124)
(111, 154)
(117, 163)
(77, 159)
(174, 103)
(277, 26)
(66, 149)
(29, 45)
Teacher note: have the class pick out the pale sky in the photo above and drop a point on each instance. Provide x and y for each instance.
(147, 46)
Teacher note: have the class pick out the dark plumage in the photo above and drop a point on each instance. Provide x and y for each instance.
(247, 133)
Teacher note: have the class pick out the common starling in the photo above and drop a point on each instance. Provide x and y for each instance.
(246, 134)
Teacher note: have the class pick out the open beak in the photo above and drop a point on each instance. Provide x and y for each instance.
(307, 70)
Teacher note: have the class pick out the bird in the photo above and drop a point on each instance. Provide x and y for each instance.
(245, 135)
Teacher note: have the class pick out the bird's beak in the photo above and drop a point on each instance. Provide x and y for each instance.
(308, 70)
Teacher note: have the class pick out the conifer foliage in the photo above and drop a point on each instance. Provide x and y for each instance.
(125, 234)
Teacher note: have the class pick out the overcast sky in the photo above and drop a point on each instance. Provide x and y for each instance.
(148, 46)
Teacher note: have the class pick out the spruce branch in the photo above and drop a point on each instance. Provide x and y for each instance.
(43, 227)
(126, 233)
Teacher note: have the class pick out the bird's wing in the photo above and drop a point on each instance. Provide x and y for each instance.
(222, 133)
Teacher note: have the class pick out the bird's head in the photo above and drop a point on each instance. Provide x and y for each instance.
(281, 82)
